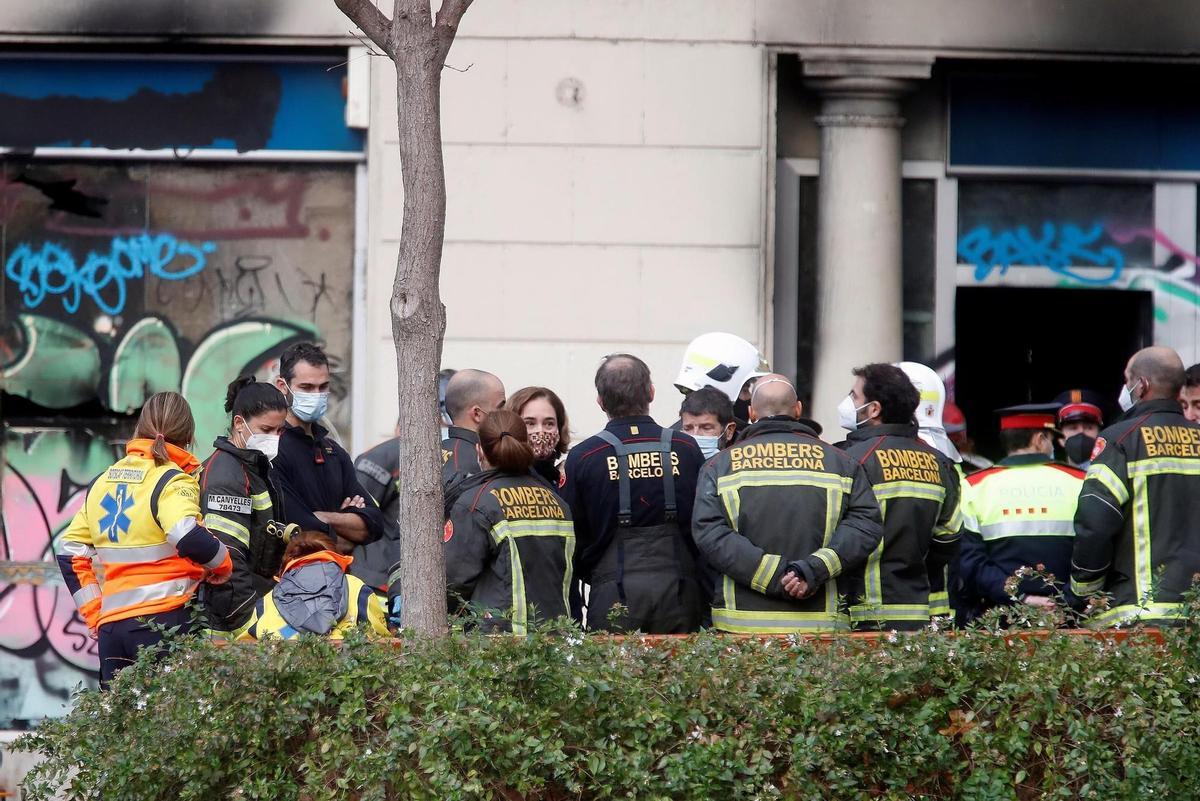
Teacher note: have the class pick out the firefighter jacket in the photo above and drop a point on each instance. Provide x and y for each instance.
(1137, 528)
(315, 596)
(918, 493)
(631, 489)
(1017, 514)
(379, 472)
(141, 521)
(239, 502)
(781, 500)
(509, 545)
(459, 458)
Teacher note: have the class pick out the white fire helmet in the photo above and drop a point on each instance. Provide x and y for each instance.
(723, 361)
(929, 408)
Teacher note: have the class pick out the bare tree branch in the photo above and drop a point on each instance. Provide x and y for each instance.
(452, 12)
(370, 20)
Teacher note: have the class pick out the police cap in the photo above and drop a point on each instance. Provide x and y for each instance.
(1028, 415)
(1080, 404)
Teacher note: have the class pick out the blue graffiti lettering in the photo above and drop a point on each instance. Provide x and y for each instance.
(52, 270)
(1059, 249)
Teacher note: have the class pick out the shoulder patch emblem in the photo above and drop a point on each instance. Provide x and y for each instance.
(227, 503)
(446, 455)
(562, 479)
(448, 531)
(1101, 444)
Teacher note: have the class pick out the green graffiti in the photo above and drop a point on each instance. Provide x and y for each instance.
(223, 356)
(147, 361)
(58, 365)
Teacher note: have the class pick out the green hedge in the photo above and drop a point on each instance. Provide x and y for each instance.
(976, 715)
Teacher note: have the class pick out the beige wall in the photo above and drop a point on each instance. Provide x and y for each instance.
(631, 219)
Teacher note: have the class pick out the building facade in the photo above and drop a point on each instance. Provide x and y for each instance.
(1006, 193)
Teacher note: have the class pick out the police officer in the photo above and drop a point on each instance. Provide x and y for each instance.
(631, 489)
(1080, 420)
(470, 395)
(1016, 515)
(242, 505)
(1136, 526)
(141, 521)
(782, 516)
(917, 489)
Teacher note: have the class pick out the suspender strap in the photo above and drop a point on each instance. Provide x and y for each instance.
(624, 504)
(623, 450)
(664, 444)
(163, 480)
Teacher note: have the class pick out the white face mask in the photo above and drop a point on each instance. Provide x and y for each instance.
(1126, 401)
(310, 406)
(848, 413)
(708, 445)
(266, 444)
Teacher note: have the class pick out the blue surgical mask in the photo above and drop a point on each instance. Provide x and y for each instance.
(708, 445)
(310, 406)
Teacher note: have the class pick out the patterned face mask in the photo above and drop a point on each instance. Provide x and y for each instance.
(543, 444)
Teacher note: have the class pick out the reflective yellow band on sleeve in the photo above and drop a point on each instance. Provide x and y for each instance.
(260, 502)
(1145, 614)
(215, 522)
(1085, 588)
(766, 570)
(939, 603)
(830, 559)
(1108, 479)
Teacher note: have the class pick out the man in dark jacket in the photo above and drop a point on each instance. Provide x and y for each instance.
(782, 504)
(918, 493)
(1136, 526)
(321, 490)
(470, 396)
(631, 489)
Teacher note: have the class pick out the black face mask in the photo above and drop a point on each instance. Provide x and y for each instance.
(1079, 447)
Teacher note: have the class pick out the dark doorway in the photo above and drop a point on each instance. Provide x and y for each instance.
(1028, 345)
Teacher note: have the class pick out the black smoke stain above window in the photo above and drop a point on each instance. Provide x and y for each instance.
(237, 104)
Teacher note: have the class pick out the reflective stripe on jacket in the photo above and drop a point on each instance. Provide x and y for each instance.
(361, 605)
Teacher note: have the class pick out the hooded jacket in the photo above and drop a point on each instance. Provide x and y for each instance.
(315, 596)
(780, 500)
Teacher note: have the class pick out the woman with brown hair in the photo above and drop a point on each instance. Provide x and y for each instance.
(509, 538)
(549, 432)
(316, 596)
(141, 520)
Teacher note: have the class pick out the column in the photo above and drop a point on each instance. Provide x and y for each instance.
(859, 300)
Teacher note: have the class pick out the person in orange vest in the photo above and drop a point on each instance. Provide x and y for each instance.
(141, 521)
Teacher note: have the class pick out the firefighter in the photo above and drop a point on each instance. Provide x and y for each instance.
(1136, 525)
(917, 489)
(378, 471)
(470, 396)
(241, 503)
(141, 521)
(1017, 515)
(509, 540)
(725, 362)
(783, 517)
(631, 489)
(316, 596)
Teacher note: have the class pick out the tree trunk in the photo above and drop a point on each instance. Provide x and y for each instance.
(418, 45)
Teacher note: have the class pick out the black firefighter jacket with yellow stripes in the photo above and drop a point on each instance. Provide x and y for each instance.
(780, 496)
(509, 545)
(1137, 525)
(238, 500)
(918, 493)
